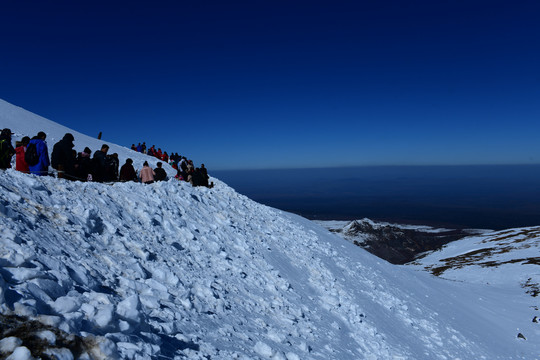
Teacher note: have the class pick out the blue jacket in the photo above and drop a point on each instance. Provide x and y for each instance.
(42, 167)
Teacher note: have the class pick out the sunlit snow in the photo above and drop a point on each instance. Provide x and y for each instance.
(168, 271)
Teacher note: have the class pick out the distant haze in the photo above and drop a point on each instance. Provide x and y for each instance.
(489, 197)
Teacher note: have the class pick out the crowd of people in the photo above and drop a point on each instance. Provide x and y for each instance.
(184, 167)
(162, 155)
(32, 156)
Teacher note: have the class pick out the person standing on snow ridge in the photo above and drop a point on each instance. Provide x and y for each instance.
(152, 150)
(42, 167)
(112, 167)
(204, 171)
(20, 162)
(62, 157)
(6, 149)
(147, 174)
(84, 162)
(100, 163)
(206, 178)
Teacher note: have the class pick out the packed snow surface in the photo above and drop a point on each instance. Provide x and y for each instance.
(506, 258)
(168, 271)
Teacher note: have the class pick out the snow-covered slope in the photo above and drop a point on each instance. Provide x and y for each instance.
(167, 271)
(508, 258)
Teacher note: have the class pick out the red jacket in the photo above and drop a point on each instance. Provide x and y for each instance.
(20, 163)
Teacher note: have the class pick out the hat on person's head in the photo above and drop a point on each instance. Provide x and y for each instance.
(7, 131)
(69, 137)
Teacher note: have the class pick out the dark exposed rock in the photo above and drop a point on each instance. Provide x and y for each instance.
(397, 244)
(533, 288)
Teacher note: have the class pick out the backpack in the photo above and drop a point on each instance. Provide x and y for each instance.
(31, 156)
(3, 151)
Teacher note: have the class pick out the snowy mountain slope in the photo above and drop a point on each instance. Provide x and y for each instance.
(505, 258)
(168, 271)
(150, 265)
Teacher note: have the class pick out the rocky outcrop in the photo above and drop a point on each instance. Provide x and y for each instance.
(397, 244)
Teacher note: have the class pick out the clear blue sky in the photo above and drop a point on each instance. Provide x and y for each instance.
(269, 84)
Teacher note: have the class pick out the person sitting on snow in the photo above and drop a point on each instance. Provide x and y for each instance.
(127, 172)
(160, 172)
(147, 174)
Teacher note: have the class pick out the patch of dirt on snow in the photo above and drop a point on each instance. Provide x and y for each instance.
(506, 242)
(533, 289)
(476, 257)
(518, 237)
(27, 331)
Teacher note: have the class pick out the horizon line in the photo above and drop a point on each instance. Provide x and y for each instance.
(375, 166)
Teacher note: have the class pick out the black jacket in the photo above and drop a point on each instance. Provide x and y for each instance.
(100, 165)
(112, 168)
(62, 155)
(6, 152)
(127, 173)
(160, 174)
(85, 166)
